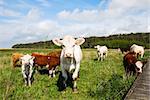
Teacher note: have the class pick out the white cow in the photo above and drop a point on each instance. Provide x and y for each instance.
(139, 50)
(70, 58)
(27, 68)
(101, 52)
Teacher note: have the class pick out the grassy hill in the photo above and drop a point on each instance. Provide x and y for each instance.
(112, 41)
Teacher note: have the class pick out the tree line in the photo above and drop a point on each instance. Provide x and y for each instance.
(111, 41)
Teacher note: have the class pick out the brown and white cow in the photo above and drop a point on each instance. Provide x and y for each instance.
(71, 56)
(51, 61)
(131, 64)
(16, 59)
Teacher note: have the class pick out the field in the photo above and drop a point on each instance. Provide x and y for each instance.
(98, 80)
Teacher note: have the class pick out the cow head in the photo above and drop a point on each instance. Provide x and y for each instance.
(68, 43)
(139, 66)
(27, 59)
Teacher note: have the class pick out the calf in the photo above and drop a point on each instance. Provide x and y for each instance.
(70, 58)
(51, 61)
(131, 64)
(27, 68)
(16, 59)
(101, 52)
(139, 50)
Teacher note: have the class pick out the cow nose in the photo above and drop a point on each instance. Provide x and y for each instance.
(68, 55)
(139, 72)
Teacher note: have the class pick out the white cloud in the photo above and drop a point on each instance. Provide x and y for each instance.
(44, 3)
(34, 14)
(8, 12)
(121, 16)
(78, 15)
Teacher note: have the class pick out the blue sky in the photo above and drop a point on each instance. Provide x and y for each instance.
(24, 21)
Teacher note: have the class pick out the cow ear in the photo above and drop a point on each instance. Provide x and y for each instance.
(57, 42)
(79, 41)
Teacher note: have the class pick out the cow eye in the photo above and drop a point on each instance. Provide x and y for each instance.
(73, 45)
(63, 46)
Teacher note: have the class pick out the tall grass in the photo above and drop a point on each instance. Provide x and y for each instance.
(98, 80)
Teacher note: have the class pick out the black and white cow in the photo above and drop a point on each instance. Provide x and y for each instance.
(27, 68)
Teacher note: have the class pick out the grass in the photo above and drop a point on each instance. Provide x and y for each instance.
(98, 80)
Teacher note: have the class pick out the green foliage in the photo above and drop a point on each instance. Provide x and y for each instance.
(112, 41)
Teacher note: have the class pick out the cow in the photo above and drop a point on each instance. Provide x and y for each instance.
(27, 68)
(51, 61)
(131, 64)
(101, 52)
(70, 59)
(16, 59)
(139, 50)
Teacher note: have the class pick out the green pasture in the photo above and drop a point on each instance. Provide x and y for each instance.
(98, 80)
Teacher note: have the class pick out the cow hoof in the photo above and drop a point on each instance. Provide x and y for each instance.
(30, 85)
(75, 90)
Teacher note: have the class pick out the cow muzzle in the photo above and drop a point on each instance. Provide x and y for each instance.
(139, 70)
(68, 55)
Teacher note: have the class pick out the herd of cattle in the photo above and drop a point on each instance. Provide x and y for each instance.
(69, 58)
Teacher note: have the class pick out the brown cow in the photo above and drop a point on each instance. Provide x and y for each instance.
(16, 59)
(51, 61)
(131, 64)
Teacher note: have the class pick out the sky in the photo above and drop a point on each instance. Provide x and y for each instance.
(25, 21)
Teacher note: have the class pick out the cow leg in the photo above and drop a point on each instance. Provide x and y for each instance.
(75, 90)
(101, 57)
(26, 81)
(127, 72)
(29, 81)
(24, 75)
(141, 55)
(98, 57)
(50, 73)
(74, 76)
(64, 75)
(36, 68)
(53, 72)
(106, 54)
(30, 75)
(75, 73)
